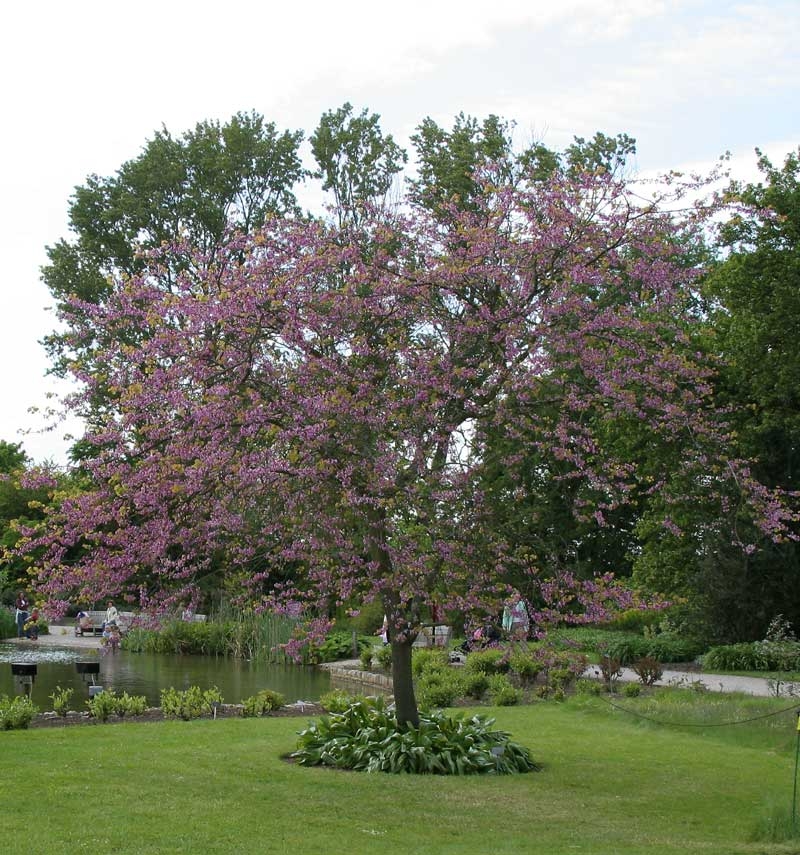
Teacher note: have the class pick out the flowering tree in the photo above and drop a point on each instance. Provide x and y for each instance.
(314, 411)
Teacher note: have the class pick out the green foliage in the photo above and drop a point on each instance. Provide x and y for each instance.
(584, 686)
(754, 656)
(502, 693)
(428, 659)
(635, 620)
(365, 658)
(103, 704)
(355, 161)
(367, 738)
(8, 628)
(663, 648)
(107, 703)
(339, 645)
(339, 700)
(438, 688)
(524, 666)
(474, 683)
(632, 690)
(262, 703)
(16, 713)
(384, 656)
(489, 661)
(61, 698)
(189, 704)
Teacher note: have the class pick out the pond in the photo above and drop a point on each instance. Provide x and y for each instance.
(148, 673)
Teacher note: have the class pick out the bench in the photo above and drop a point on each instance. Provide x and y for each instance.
(434, 636)
(94, 623)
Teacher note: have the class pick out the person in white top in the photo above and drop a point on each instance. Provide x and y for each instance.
(112, 615)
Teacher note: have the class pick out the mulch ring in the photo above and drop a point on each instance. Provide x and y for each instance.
(51, 719)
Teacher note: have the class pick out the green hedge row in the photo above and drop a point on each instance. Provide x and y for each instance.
(754, 656)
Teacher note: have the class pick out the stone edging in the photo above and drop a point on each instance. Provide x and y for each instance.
(356, 675)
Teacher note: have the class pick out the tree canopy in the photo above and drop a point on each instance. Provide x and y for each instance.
(317, 407)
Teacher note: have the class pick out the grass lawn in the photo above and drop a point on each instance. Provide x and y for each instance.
(611, 783)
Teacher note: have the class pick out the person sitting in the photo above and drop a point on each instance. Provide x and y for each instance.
(112, 615)
(31, 627)
(83, 623)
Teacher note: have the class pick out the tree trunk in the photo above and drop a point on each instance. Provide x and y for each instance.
(404, 701)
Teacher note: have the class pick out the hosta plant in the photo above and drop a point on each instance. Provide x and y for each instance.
(368, 738)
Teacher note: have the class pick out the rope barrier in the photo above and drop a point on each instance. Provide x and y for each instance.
(793, 707)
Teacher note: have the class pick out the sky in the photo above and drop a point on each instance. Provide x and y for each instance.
(86, 84)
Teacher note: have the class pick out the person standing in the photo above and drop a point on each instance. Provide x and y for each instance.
(21, 604)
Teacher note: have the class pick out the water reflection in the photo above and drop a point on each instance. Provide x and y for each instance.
(147, 674)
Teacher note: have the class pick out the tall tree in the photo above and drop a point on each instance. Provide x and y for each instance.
(334, 422)
(198, 185)
(355, 161)
(752, 300)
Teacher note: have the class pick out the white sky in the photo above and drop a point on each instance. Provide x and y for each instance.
(86, 83)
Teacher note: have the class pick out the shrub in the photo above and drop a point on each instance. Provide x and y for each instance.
(648, 670)
(367, 738)
(474, 684)
(339, 700)
(663, 648)
(102, 705)
(189, 704)
(610, 669)
(16, 713)
(437, 689)
(131, 704)
(490, 661)
(584, 686)
(631, 690)
(425, 660)
(338, 645)
(8, 626)
(502, 693)
(754, 656)
(635, 620)
(366, 658)
(525, 667)
(384, 656)
(61, 698)
(262, 703)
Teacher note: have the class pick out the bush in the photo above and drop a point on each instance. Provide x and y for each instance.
(754, 656)
(8, 627)
(107, 703)
(474, 684)
(662, 648)
(262, 703)
(525, 667)
(339, 700)
(366, 658)
(635, 620)
(437, 689)
(16, 713)
(648, 670)
(584, 686)
(61, 698)
(425, 660)
(189, 704)
(631, 690)
(502, 693)
(367, 738)
(490, 661)
(383, 655)
(339, 645)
